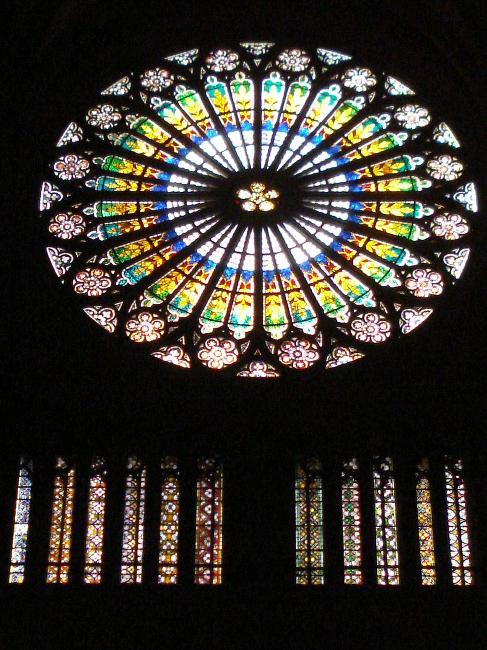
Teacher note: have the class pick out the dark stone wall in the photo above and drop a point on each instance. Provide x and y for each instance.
(70, 389)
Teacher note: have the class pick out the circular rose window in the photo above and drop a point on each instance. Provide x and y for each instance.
(258, 210)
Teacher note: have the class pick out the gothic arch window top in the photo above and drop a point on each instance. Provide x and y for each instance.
(258, 210)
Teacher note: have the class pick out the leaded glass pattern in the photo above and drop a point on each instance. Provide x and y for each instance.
(258, 210)
(169, 523)
(351, 523)
(133, 522)
(18, 552)
(60, 536)
(458, 528)
(387, 554)
(95, 532)
(209, 522)
(425, 524)
(308, 496)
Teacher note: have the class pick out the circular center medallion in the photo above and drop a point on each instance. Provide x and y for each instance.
(257, 197)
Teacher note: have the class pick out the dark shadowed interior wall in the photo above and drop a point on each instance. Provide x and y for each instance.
(70, 389)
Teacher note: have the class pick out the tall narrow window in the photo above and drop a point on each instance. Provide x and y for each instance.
(96, 521)
(352, 541)
(425, 524)
(385, 522)
(458, 531)
(209, 523)
(21, 522)
(308, 491)
(61, 523)
(169, 524)
(133, 522)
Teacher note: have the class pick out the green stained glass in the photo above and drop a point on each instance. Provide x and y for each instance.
(165, 243)
(308, 491)
(387, 553)
(351, 524)
(425, 524)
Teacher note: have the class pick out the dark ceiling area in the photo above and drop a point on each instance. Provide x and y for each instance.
(70, 383)
(70, 387)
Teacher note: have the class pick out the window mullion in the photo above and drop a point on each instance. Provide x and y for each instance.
(309, 566)
(407, 522)
(475, 476)
(332, 533)
(151, 520)
(113, 525)
(440, 520)
(80, 519)
(368, 521)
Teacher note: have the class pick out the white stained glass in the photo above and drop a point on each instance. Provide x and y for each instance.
(252, 197)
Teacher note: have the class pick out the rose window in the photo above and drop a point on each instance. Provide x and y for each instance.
(258, 211)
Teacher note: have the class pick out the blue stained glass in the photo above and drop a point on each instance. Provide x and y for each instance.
(320, 144)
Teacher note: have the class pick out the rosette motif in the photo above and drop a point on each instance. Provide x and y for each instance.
(257, 210)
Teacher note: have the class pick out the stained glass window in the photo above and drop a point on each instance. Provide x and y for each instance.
(133, 522)
(96, 521)
(21, 522)
(209, 522)
(425, 524)
(385, 522)
(458, 528)
(61, 522)
(258, 210)
(169, 524)
(351, 523)
(308, 498)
